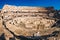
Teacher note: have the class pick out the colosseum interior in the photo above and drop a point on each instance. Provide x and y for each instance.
(27, 21)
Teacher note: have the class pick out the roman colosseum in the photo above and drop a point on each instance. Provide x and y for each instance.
(26, 21)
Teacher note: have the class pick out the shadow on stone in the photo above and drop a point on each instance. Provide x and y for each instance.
(12, 38)
(57, 24)
(2, 37)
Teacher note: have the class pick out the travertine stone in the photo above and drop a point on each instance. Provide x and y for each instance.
(26, 21)
(29, 24)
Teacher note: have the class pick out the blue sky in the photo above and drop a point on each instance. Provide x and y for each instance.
(42, 3)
